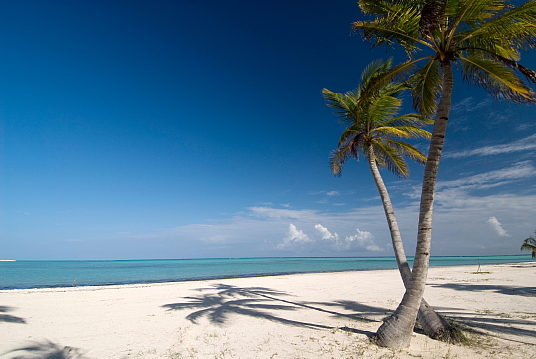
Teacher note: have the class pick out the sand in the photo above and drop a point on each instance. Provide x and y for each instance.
(328, 315)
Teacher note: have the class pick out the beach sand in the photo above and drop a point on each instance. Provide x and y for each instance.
(328, 315)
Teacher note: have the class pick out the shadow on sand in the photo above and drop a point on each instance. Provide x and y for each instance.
(9, 318)
(520, 325)
(44, 350)
(216, 303)
(502, 289)
(260, 302)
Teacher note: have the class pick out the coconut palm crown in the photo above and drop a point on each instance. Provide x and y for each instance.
(484, 37)
(371, 115)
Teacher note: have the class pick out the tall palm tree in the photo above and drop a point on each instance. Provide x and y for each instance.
(530, 245)
(375, 132)
(485, 37)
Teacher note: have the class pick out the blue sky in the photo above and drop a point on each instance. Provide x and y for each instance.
(197, 129)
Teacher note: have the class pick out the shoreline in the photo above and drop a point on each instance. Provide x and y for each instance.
(151, 284)
(306, 315)
(254, 275)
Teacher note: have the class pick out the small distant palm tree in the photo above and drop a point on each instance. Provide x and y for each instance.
(376, 132)
(530, 245)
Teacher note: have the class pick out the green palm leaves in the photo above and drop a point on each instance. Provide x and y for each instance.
(371, 113)
(530, 245)
(485, 37)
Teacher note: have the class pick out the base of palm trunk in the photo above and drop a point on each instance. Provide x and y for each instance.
(394, 333)
(435, 326)
(448, 335)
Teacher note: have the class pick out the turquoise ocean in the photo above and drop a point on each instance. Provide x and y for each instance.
(50, 274)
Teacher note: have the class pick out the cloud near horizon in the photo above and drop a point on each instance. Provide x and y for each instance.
(297, 239)
(294, 236)
(464, 210)
(496, 225)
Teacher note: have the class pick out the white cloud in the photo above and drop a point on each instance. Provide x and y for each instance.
(333, 193)
(496, 225)
(326, 234)
(275, 213)
(469, 104)
(327, 241)
(519, 170)
(293, 236)
(364, 239)
(524, 144)
(213, 239)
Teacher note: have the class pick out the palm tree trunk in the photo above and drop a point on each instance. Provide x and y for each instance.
(432, 323)
(395, 332)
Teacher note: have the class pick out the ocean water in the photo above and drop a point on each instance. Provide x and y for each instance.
(49, 274)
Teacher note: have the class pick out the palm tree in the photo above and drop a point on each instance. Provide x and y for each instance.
(530, 245)
(374, 131)
(485, 38)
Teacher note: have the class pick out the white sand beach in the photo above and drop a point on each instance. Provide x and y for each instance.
(325, 315)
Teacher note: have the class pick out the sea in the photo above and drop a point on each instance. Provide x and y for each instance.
(52, 274)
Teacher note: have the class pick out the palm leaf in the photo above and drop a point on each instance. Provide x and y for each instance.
(390, 82)
(343, 104)
(390, 158)
(401, 28)
(499, 80)
(411, 119)
(409, 151)
(337, 160)
(410, 131)
(516, 25)
(529, 245)
(427, 83)
(371, 71)
(390, 132)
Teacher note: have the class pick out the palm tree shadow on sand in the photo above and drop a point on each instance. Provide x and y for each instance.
(7, 318)
(261, 302)
(44, 350)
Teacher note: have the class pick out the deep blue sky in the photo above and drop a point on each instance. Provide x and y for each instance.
(180, 129)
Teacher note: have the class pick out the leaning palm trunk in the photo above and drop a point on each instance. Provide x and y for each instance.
(395, 332)
(432, 323)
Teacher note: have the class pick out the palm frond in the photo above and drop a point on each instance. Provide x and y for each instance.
(404, 131)
(371, 71)
(427, 86)
(351, 144)
(390, 158)
(528, 73)
(354, 131)
(529, 245)
(499, 80)
(401, 28)
(471, 14)
(344, 105)
(383, 107)
(390, 132)
(411, 119)
(409, 151)
(390, 82)
(337, 160)
(385, 7)
(515, 27)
